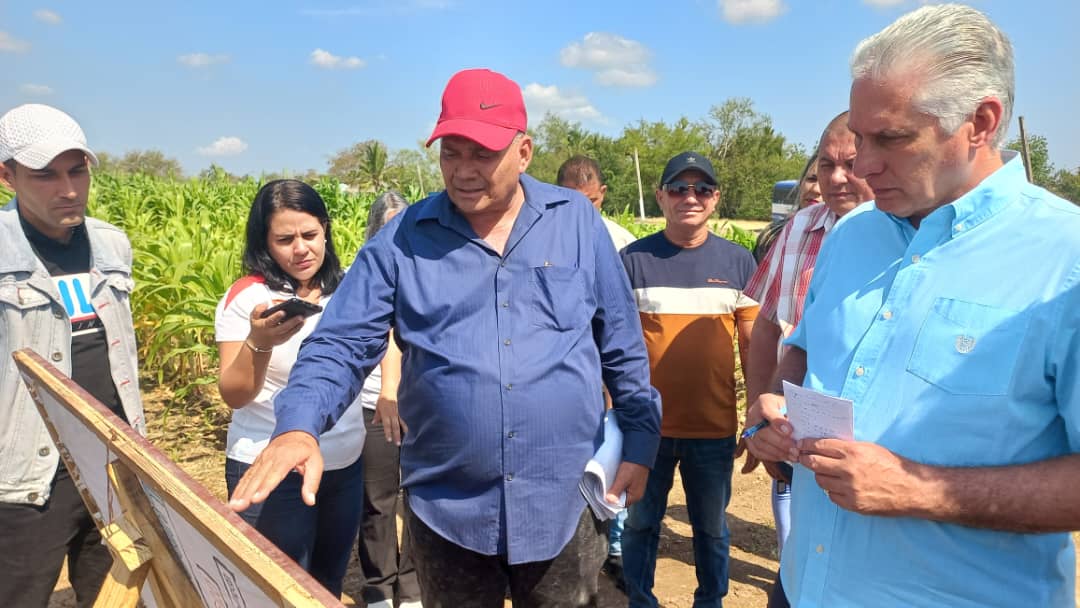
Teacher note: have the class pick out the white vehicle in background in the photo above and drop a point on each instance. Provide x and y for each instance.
(785, 202)
(784, 199)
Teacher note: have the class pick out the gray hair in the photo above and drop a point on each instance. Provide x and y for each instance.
(962, 56)
(382, 210)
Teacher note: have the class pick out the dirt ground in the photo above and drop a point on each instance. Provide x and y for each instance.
(196, 443)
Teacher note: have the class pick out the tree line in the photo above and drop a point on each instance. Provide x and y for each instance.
(749, 154)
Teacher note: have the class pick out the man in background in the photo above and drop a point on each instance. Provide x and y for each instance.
(583, 174)
(65, 282)
(688, 284)
(782, 279)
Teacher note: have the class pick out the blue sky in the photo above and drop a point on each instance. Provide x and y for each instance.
(270, 86)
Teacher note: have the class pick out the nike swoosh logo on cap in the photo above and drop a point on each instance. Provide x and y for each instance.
(488, 106)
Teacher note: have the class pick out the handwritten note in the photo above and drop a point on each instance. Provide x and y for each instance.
(814, 415)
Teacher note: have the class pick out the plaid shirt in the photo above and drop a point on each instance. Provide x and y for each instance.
(783, 277)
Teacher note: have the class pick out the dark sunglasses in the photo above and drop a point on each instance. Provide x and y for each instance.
(681, 188)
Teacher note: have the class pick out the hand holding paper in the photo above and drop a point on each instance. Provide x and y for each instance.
(601, 471)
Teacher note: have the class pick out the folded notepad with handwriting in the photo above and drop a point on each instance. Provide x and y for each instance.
(600, 472)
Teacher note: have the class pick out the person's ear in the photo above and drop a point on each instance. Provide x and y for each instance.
(7, 177)
(986, 121)
(525, 153)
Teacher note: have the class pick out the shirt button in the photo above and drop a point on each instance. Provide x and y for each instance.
(820, 548)
(32, 496)
(886, 315)
(506, 304)
(58, 313)
(509, 387)
(43, 452)
(510, 435)
(959, 226)
(916, 258)
(502, 263)
(509, 477)
(57, 356)
(859, 371)
(506, 341)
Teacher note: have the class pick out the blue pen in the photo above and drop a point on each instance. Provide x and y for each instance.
(748, 433)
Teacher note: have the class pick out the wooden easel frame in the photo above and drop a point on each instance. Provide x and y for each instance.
(141, 547)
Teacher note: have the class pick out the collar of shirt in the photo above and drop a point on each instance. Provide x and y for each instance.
(825, 220)
(442, 210)
(979, 204)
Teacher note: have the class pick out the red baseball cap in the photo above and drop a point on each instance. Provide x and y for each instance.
(483, 106)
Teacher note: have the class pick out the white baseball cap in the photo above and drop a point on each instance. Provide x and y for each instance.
(34, 134)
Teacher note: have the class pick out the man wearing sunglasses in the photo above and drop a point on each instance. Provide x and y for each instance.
(688, 284)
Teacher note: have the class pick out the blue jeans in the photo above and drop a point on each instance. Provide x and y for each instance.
(781, 510)
(705, 466)
(615, 533)
(319, 538)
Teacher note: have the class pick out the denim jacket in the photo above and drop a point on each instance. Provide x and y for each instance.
(32, 315)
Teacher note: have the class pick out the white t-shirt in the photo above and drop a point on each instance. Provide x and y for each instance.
(619, 235)
(252, 425)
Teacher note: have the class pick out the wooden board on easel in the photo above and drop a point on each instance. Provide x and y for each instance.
(162, 526)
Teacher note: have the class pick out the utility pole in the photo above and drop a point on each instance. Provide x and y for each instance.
(640, 192)
(1024, 149)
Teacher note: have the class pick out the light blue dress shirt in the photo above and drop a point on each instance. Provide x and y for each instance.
(501, 371)
(958, 344)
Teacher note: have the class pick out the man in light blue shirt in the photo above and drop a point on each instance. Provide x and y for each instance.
(949, 313)
(512, 311)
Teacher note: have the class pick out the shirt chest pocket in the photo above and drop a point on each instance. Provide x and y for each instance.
(966, 348)
(557, 296)
(22, 297)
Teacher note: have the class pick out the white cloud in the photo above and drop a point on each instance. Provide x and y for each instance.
(47, 16)
(618, 77)
(328, 61)
(35, 89)
(745, 11)
(615, 61)
(201, 60)
(540, 99)
(10, 44)
(224, 146)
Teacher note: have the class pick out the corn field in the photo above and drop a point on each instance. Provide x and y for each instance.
(188, 237)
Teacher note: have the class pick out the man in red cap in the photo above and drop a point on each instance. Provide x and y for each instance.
(512, 311)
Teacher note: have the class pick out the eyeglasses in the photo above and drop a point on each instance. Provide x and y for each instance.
(681, 188)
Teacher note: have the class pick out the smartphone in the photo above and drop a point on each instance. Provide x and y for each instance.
(293, 307)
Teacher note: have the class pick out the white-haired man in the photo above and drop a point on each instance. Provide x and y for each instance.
(949, 313)
(64, 284)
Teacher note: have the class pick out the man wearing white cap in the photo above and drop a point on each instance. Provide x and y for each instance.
(512, 309)
(64, 286)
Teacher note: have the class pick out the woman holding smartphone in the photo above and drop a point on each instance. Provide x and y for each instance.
(289, 253)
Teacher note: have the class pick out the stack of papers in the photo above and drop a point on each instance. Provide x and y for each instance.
(600, 472)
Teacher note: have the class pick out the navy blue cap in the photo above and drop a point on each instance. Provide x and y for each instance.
(687, 161)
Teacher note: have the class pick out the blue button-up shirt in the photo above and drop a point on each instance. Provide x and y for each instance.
(503, 363)
(958, 345)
